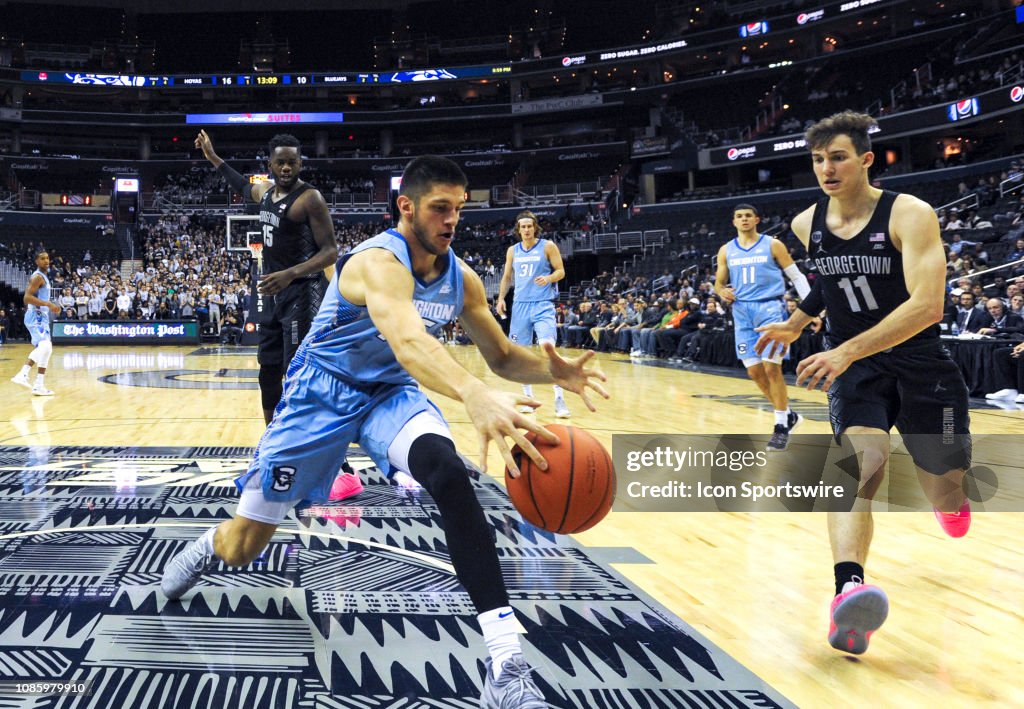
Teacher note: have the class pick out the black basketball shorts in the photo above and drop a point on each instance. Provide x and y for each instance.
(917, 389)
(287, 318)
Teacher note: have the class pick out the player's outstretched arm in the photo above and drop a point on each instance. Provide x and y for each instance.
(376, 278)
(520, 364)
(230, 175)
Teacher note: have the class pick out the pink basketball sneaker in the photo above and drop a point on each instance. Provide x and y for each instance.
(346, 485)
(955, 524)
(856, 614)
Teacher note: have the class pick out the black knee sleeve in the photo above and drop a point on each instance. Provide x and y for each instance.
(271, 385)
(438, 468)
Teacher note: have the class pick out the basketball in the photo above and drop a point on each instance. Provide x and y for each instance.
(577, 489)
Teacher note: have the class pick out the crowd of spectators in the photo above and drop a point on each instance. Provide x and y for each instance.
(670, 314)
(200, 182)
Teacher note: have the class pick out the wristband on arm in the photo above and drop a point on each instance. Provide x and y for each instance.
(814, 303)
(798, 279)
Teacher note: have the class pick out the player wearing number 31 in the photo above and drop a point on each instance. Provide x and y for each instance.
(881, 276)
(535, 265)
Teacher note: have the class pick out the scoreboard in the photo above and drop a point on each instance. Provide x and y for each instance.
(415, 76)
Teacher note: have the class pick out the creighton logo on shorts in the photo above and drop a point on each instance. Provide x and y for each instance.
(284, 477)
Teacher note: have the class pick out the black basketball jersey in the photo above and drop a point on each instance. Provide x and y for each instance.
(862, 277)
(286, 243)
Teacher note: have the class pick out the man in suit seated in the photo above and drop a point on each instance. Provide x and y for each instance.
(969, 317)
(999, 322)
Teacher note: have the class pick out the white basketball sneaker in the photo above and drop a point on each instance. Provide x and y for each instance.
(22, 379)
(40, 390)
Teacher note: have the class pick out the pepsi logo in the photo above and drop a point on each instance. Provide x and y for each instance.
(570, 61)
(804, 17)
(566, 61)
(753, 27)
(43, 76)
(738, 153)
(1016, 94)
(965, 108)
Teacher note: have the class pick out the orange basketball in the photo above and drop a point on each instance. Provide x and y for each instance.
(577, 489)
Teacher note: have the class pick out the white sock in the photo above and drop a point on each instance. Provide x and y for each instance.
(558, 392)
(528, 390)
(207, 539)
(24, 370)
(501, 634)
(781, 418)
(39, 380)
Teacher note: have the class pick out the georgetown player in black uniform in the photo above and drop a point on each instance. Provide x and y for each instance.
(881, 277)
(298, 248)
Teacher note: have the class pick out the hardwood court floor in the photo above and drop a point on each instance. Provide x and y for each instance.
(757, 585)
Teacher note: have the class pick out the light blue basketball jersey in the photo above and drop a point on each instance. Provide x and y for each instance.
(43, 293)
(343, 339)
(527, 265)
(753, 273)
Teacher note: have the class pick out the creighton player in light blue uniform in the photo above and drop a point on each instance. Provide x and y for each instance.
(37, 320)
(355, 378)
(750, 277)
(536, 266)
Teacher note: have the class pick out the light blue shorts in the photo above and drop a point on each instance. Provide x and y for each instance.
(38, 324)
(319, 416)
(753, 314)
(532, 317)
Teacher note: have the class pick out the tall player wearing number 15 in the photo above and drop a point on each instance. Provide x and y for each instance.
(749, 277)
(299, 251)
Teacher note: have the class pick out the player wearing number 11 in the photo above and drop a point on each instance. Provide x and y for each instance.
(750, 278)
(881, 276)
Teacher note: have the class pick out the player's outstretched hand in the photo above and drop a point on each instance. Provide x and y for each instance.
(495, 417)
(571, 374)
(775, 339)
(822, 368)
(499, 307)
(204, 143)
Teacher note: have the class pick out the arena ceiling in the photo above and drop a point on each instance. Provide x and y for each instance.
(155, 7)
